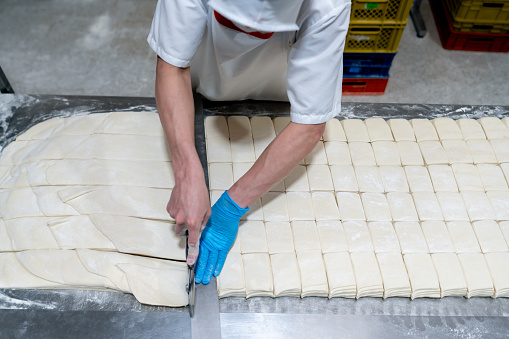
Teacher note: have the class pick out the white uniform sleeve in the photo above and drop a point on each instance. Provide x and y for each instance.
(315, 68)
(177, 30)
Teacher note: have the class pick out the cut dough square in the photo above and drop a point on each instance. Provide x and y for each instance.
(320, 178)
(386, 153)
(453, 206)
(504, 226)
(447, 129)
(478, 205)
(490, 236)
(501, 149)
(357, 236)
(297, 180)
(241, 168)
(285, 270)
(378, 130)
(279, 237)
(500, 202)
(424, 130)
(369, 179)
(300, 206)
(253, 238)
(471, 129)
(334, 131)
(258, 275)
(218, 150)
(32, 234)
(221, 176)
(422, 274)
(241, 139)
(230, 283)
(332, 236)
(457, 151)
(418, 179)
(376, 207)
(506, 122)
(433, 153)
(5, 240)
(340, 275)
(305, 236)
(263, 133)
(216, 126)
(494, 128)
(255, 211)
(497, 265)
(477, 275)
(467, 177)
(355, 130)
(350, 206)
(362, 154)
(427, 206)
(450, 275)
(482, 152)
(11, 208)
(463, 237)
(15, 274)
(505, 169)
(394, 179)
(437, 237)
(401, 130)
(343, 178)
(325, 206)
(312, 273)
(317, 155)
(492, 177)
(367, 275)
(242, 151)
(442, 178)
(280, 124)
(384, 237)
(410, 236)
(338, 153)
(274, 207)
(402, 207)
(394, 275)
(410, 153)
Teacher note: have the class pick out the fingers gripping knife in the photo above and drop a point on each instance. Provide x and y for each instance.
(191, 286)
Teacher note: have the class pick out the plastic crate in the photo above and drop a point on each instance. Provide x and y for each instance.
(365, 86)
(373, 38)
(480, 28)
(380, 11)
(464, 41)
(479, 11)
(367, 65)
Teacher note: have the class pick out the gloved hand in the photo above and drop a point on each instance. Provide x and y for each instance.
(218, 237)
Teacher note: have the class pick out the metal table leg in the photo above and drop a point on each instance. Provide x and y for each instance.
(416, 16)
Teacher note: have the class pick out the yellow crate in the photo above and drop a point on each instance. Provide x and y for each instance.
(373, 38)
(479, 12)
(380, 11)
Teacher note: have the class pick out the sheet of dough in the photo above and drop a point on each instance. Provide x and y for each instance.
(317, 155)
(457, 151)
(19, 154)
(394, 275)
(138, 123)
(447, 128)
(30, 233)
(5, 241)
(490, 236)
(343, 178)
(332, 236)
(422, 274)
(433, 153)
(285, 270)
(369, 179)
(378, 130)
(410, 153)
(59, 147)
(15, 275)
(280, 123)
(501, 149)
(216, 126)
(78, 232)
(476, 274)
(350, 206)
(402, 206)
(258, 275)
(325, 206)
(500, 202)
(467, 177)
(418, 179)
(14, 147)
(401, 129)
(320, 178)
(355, 130)
(340, 275)
(241, 139)
(492, 177)
(300, 206)
(478, 205)
(230, 283)
(338, 153)
(279, 237)
(218, 149)
(11, 208)
(367, 275)
(424, 130)
(471, 129)
(384, 237)
(376, 207)
(427, 206)
(452, 206)
(450, 275)
(220, 176)
(253, 238)
(40, 128)
(312, 273)
(394, 179)
(463, 237)
(437, 237)
(334, 131)
(386, 153)
(497, 265)
(504, 226)
(297, 180)
(410, 236)
(494, 128)
(274, 207)
(482, 152)
(357, 236)
(305, 236)
(51, 204)
(362, 154)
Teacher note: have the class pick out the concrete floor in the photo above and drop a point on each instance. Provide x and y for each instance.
(98, 47)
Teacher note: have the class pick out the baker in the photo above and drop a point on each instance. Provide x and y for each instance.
(286, 50)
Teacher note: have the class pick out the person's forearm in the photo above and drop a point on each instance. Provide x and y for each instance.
(276, 162)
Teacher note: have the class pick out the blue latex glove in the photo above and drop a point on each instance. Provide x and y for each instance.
(218, 237)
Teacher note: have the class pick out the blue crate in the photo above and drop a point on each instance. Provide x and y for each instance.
(367, 65)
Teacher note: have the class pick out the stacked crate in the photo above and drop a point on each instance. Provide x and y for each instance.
(473, 25)
(376, 27)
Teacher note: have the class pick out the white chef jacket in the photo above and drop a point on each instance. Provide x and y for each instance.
(300, 61)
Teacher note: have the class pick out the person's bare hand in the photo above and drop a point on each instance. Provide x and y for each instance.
(189, 205)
